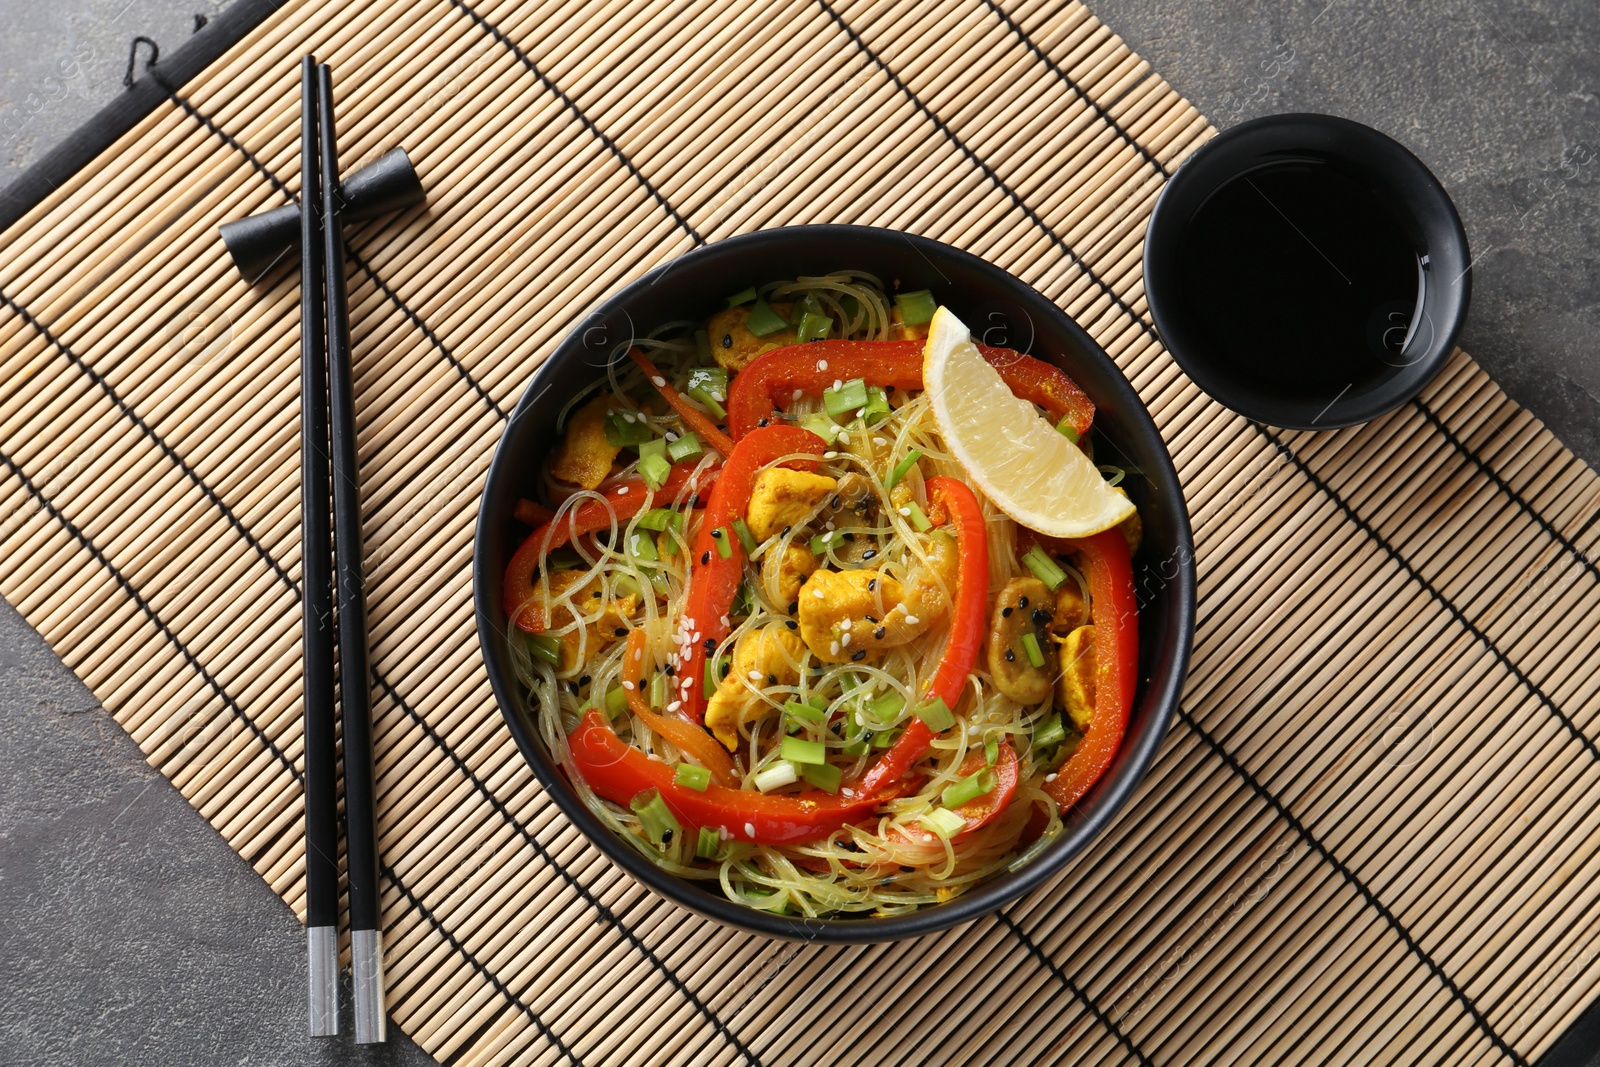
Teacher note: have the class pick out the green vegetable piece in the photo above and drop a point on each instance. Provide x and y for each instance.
(846, 400)
(814, 326)
(708, 845)
(546, 648)
(741, 530)
(657, 519)
(658, 690)
(763, 321)
(654, 470)
(660, 826)
(944, 822)
(916, 308)
(877, 408)
(885, 740)
(691, 777)
(825, 776)
(886, 706)
(708, 386)
(937, 714)
(684, 447)
(1065, 429)
(724, 544)
(902, 468)
(799, 750)
(656, 446)
(805, 712)
(919, 521)
(642, 547)
(625, 428)
(1030, 645)
(968, 789)
(1049, 732)
(744, 296)
(991, 749)
(1037, 560)
(616, 701)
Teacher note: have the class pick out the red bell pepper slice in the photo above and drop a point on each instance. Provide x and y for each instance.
(966, 629)
(619, 772)
(1116, 661)
(626, 500)
(696, 419)
(713, 577)
(771, 379)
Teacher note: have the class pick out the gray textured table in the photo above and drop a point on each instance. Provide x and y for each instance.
(134, 935)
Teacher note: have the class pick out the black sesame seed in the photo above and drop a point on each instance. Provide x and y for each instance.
(705, 558)
(1011, 657)
(772, 680)
(794, 607)
(620, 631)
(573, 687)
(1005, 613)
(584, 680)
(860, 655)
(762, 422)
(871, 618)
(671, 670)
(880, 632)
(903, 867)
(791, 624)
(595, 594)
(872, 584)
(1022, 601)
(711, 644)
(666, 837)
(1041, 616)
(869, 553)
(850, 537)
(717, 532)
(727, 340)
(834, 503)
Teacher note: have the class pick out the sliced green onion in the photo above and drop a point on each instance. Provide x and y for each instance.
(825, 776)
(943, 822)
(818, 701)
(968, 789)
(799, 750)
(814, 326)
(656, 446)
(886, 706)
(820, 425)
(857, 747)
(919, 521)
(902, 468)
(744, 601)
(691, 777)
(877, 408)
(806, 712)
(744, 296)
(777, 775)
(708, 845)
(616, 701)
(562, 559)
(702, 345)
(1030, 645)
(1043, 567)
(847, 399)
(685, 446)
(1066, 429)
(936, 713)
(991, 749)
(741, 530)
(658, 690)
(658, 582)
(709, 387)
(822, 542)
(1049, 732)
(655, 818)
(710, 685)
(885, 740)
(642, 547)
(763, 321)
(624, 431)
(724, 545)
(546, 648)
(916, 308)
(654, 469)
(657, 519)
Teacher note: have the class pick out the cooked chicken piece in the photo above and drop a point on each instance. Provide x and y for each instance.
(1132, 527)
(732, 343)
(850, 615)
(584, 456)
(783, 497)
(1075, 688)
(783, 573)
(602, 624)
(899, 331)
(1071, 610)
(765, 657)
(1024, 606)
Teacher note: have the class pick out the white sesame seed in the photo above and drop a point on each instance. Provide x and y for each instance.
(847, 791)
(844, 642)
(861, 720)
(830, 455)
(862, 413)
(627, 416)
(880, 441)
(838, 383)
(819, 594)
(798, 393)
(822, 364)
(833, 648)
(658, 381)
(725, 621)
(622, 490)
(671, 436)
(628, 686)
(843, 435)
(1049, 777)
(845, 625)
(723, 834)
(675, 705)
(756, 676)
(718, 397)
(905, 511)
(749, 829)
(911, 620)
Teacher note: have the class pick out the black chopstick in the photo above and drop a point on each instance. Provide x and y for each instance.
(316, 602)
(361, 854)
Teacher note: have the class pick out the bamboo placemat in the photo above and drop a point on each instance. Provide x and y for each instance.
(1371, 835)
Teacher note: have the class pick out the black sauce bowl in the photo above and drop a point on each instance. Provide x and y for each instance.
(1001, 310)
(1421, 207)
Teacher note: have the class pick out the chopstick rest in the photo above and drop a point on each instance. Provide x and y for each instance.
(260, 242)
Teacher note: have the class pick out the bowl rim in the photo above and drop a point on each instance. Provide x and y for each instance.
(1108, 796)
(1405, 177)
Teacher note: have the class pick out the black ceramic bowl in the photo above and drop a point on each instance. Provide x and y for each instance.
(1381, 165)
(1001, 310)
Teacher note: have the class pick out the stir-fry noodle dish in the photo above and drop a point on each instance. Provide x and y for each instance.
(825, 604)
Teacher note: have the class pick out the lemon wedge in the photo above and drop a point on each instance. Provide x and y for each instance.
(1030, 471)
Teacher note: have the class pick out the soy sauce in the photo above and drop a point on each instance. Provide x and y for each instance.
(1302, 279)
